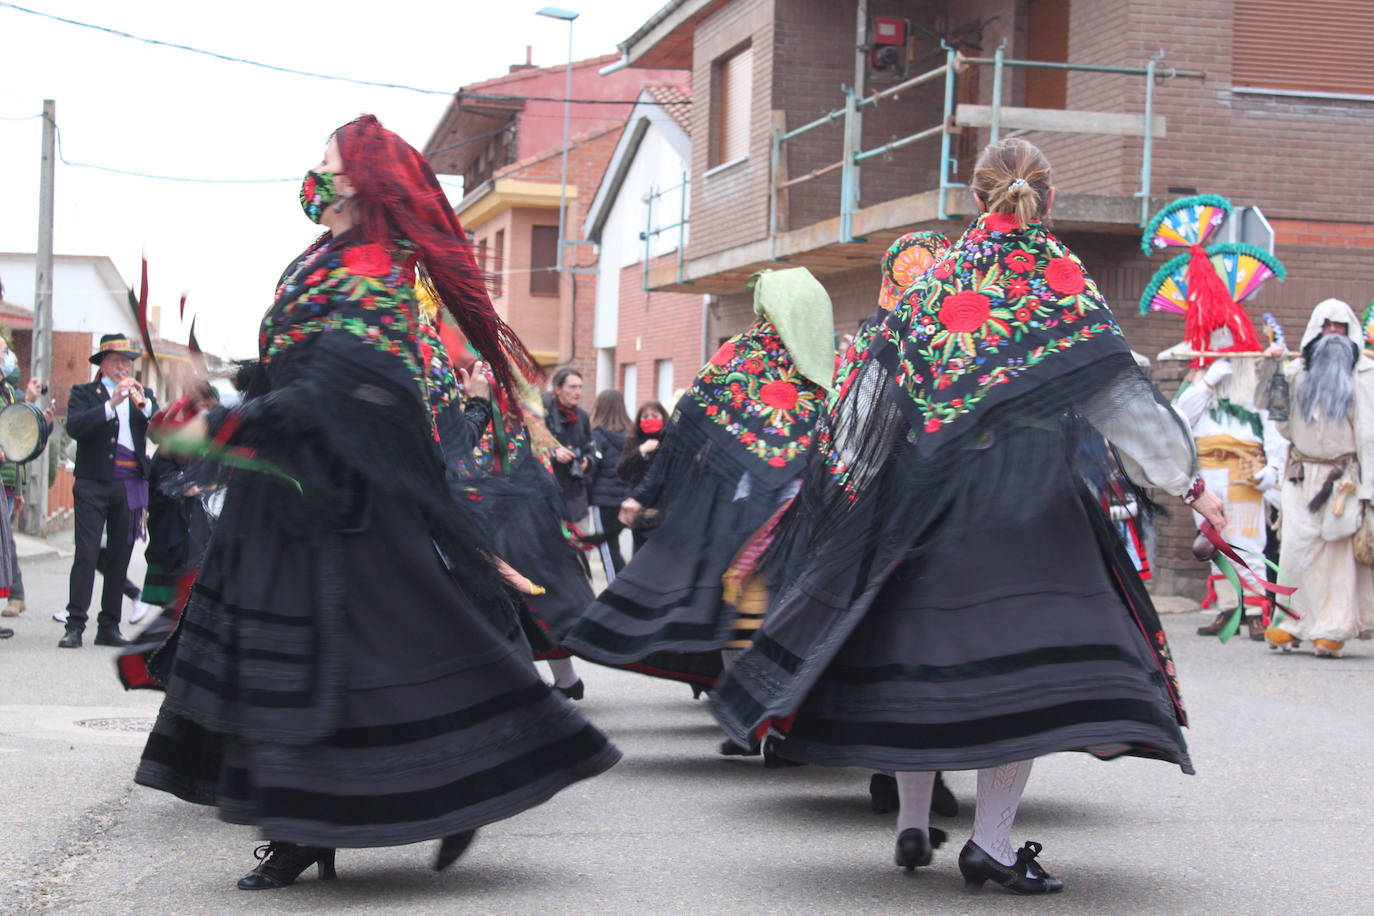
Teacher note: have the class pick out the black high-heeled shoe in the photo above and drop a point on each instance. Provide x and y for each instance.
(280, 864)
(729, 748)
(453, 847)
(1025, 876)
(698, 691)
(913, 849)
(882, 794)
(773, 759)
(942, 800)
(573, 691)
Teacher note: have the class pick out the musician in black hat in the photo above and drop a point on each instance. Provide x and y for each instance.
(108, 418)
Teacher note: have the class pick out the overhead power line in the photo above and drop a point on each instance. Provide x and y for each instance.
(322, 76)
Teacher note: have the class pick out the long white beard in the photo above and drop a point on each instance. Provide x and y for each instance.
(1329, 386)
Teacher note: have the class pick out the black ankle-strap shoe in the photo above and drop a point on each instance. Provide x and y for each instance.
(452, 847)
(1024, 876)
(280, 864)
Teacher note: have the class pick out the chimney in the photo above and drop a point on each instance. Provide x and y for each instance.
(528, 64)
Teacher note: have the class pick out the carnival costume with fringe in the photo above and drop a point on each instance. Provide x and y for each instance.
(349, 671)
(927, 622)
(731, 457)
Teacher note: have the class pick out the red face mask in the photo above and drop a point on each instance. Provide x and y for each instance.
(651, 426)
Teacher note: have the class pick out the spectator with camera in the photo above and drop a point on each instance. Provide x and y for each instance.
(569, 424)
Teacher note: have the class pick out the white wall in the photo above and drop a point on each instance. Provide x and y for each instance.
(88, 294)
(664, 369)
(630, 387)
(657, 164)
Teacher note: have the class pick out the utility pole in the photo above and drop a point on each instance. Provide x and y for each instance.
(40, 365)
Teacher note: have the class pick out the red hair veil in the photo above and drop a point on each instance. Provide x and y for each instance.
(398, 196)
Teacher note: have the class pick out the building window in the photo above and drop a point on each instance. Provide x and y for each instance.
(544, 260)
(1303, 47)
(1047, 38)
(498, 263)
(663, 372)
(732, 79)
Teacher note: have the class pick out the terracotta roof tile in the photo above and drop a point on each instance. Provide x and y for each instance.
(669, 95)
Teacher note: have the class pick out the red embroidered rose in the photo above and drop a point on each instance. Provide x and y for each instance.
(944, 270)
(957, 402)
(965, 312)
(778, 461)
(779, 395)
(317, 277)
(1023, 315)
(1064, 276)
(933, 425)
(1018, 287)
(753, 366)
(1019, 262)
(712, 410)
(1002, 222)
(724, 354)
(977, 235)
(367, 260)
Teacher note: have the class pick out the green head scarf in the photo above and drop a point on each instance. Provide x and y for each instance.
(799, 307)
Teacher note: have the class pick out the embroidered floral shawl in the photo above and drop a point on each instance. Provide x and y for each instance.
(367, 291)
(1005, 309)
(750, 398)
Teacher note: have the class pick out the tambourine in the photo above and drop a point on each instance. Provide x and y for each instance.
(24, 432)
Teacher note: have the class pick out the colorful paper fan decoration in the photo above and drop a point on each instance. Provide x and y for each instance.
(1368, 325)
(1187, 221)
(1206, 284)
(909, 257)
(1168, 289)
(1273, 331)
(1244, 268)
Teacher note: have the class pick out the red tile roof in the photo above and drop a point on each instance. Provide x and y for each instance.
(668, 95)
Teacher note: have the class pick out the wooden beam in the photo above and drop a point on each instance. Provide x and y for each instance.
(1053, 119)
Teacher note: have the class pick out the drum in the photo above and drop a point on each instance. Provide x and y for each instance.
(24, 432)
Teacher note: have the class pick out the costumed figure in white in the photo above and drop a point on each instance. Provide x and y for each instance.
(1328, 486)
(1240, 451)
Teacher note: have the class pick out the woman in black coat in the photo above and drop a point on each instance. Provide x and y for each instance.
(606, 491)
(641, 448)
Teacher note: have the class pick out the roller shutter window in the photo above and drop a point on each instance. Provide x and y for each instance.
(544, 260)
(1314, 46)
(734, 77)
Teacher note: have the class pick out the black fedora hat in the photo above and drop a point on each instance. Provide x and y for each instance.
(115, 343)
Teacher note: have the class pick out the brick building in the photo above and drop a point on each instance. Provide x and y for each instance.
(1244, 105)
(504, 136)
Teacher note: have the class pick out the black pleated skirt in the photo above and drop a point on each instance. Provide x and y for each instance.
(345, 691)
(664, 615)
(1003, 643)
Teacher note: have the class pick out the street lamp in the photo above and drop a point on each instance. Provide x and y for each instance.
(553, 12)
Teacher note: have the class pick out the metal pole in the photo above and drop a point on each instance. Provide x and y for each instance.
(563, 177)
(847, 189)
(648, 235)
(944, 130)
(40, 360)
(1148, 146)
(860, 72)
(682, 227)
(995, 128)
(775, 161)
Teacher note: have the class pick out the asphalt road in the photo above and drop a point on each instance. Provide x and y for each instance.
(1277, 820)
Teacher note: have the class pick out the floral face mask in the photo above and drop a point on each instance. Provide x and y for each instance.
(317, 192)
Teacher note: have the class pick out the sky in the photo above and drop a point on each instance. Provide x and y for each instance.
(134, 106)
